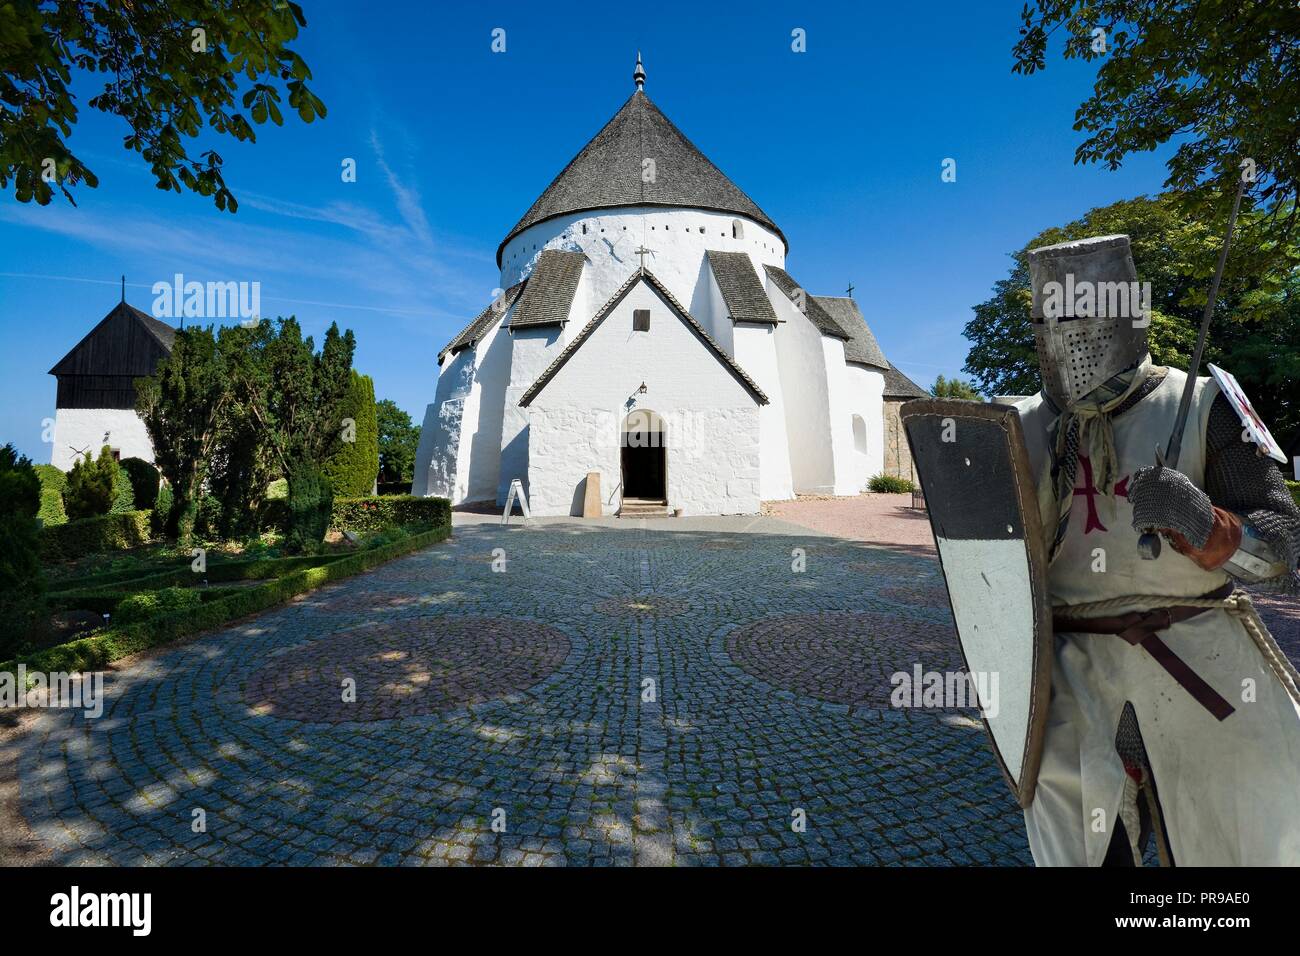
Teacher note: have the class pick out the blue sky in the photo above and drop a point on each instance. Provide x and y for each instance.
(842, 146)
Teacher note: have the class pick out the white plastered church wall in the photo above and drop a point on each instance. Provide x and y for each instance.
(674, 237)
(754, 349)
(838, 402)
(711, 420)
(801, 364)
(437, 457)
(90, 429)
(459, 453)
(532, 351)
(866, 405)
(481, 443)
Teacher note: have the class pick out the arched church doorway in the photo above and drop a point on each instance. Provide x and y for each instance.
(644, 454)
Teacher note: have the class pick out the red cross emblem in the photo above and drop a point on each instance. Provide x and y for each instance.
(1091, 491)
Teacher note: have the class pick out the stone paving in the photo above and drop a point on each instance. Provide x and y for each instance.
(618, 694)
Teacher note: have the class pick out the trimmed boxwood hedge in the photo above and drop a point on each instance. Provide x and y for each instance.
(116, 642)
(53, 481)
(252, 569)
(111, 532)
(374, 514)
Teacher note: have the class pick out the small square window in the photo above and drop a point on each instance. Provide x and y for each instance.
(640, 320)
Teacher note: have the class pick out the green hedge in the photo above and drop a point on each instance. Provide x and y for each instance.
(53, 481)
(111, 532)
(181, 574)
(1295, 491)
(364, 516)
(116, 642)
(143, 605)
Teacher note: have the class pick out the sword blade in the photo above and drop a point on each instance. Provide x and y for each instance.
(1175, 446)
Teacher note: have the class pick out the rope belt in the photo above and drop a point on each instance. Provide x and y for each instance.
(1141, 629)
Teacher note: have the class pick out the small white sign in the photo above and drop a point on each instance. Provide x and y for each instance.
(516, 494)
(1256, 430)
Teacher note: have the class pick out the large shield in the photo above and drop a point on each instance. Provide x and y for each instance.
(980, 492)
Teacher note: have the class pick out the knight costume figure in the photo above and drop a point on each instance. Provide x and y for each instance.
(1174, 716)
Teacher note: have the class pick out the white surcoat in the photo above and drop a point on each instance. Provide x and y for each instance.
(1229, 790)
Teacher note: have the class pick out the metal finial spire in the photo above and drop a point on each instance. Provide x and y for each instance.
(124, 288)
(638, 75)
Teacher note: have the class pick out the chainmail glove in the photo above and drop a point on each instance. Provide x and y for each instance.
(1166, 499)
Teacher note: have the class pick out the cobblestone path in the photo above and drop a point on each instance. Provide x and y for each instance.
(617, 694)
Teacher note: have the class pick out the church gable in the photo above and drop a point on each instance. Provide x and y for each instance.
(673, 342)
(100, 370)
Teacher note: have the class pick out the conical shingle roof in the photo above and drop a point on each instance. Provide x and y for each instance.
(608, 173)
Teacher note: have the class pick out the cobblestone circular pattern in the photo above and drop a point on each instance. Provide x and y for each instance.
(921, 594)
(407, 669)
(841, 657)
(633, 605)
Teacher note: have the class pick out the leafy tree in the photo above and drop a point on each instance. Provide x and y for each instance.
(181, 405)
(295, 394)
(1256, 309)
(352, 469)
(242, 465)
(170, 68)
(954, 388)
(1221, 77)
(398, 440)
(21, 580)
(94, 486)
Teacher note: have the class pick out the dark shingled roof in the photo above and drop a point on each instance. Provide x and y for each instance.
(742, 293)
(608, 173)
(740, 374)
(161, 332)
(815, 311)
(899, 386)
(478, 327)
(861, 348)
(549, 291)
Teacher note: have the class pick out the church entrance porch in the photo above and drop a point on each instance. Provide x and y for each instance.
(644, 463)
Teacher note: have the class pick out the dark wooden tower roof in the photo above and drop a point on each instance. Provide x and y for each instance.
(101, 369)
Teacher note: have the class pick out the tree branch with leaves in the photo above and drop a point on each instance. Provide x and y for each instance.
(174, 68)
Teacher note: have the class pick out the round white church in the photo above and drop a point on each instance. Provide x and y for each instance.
(648, 333)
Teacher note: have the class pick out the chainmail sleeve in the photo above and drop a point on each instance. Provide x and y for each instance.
(1241, 480)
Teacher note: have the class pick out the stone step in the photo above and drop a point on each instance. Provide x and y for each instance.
(642, 508)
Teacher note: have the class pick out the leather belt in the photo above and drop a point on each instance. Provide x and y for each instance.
(1140, 629)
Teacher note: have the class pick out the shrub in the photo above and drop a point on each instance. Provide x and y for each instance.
(352, 469)
(53, 481)
(162, 506)
(144, 482)
(119, 641)
(147, 604)
(123, 493)
(112, 532)
(310, 501)
(367, 516)
(274, 515)
(890, 484)
(207, 522)
(21, 581)
(92, 486)
(1295, 491)
(278, 490)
